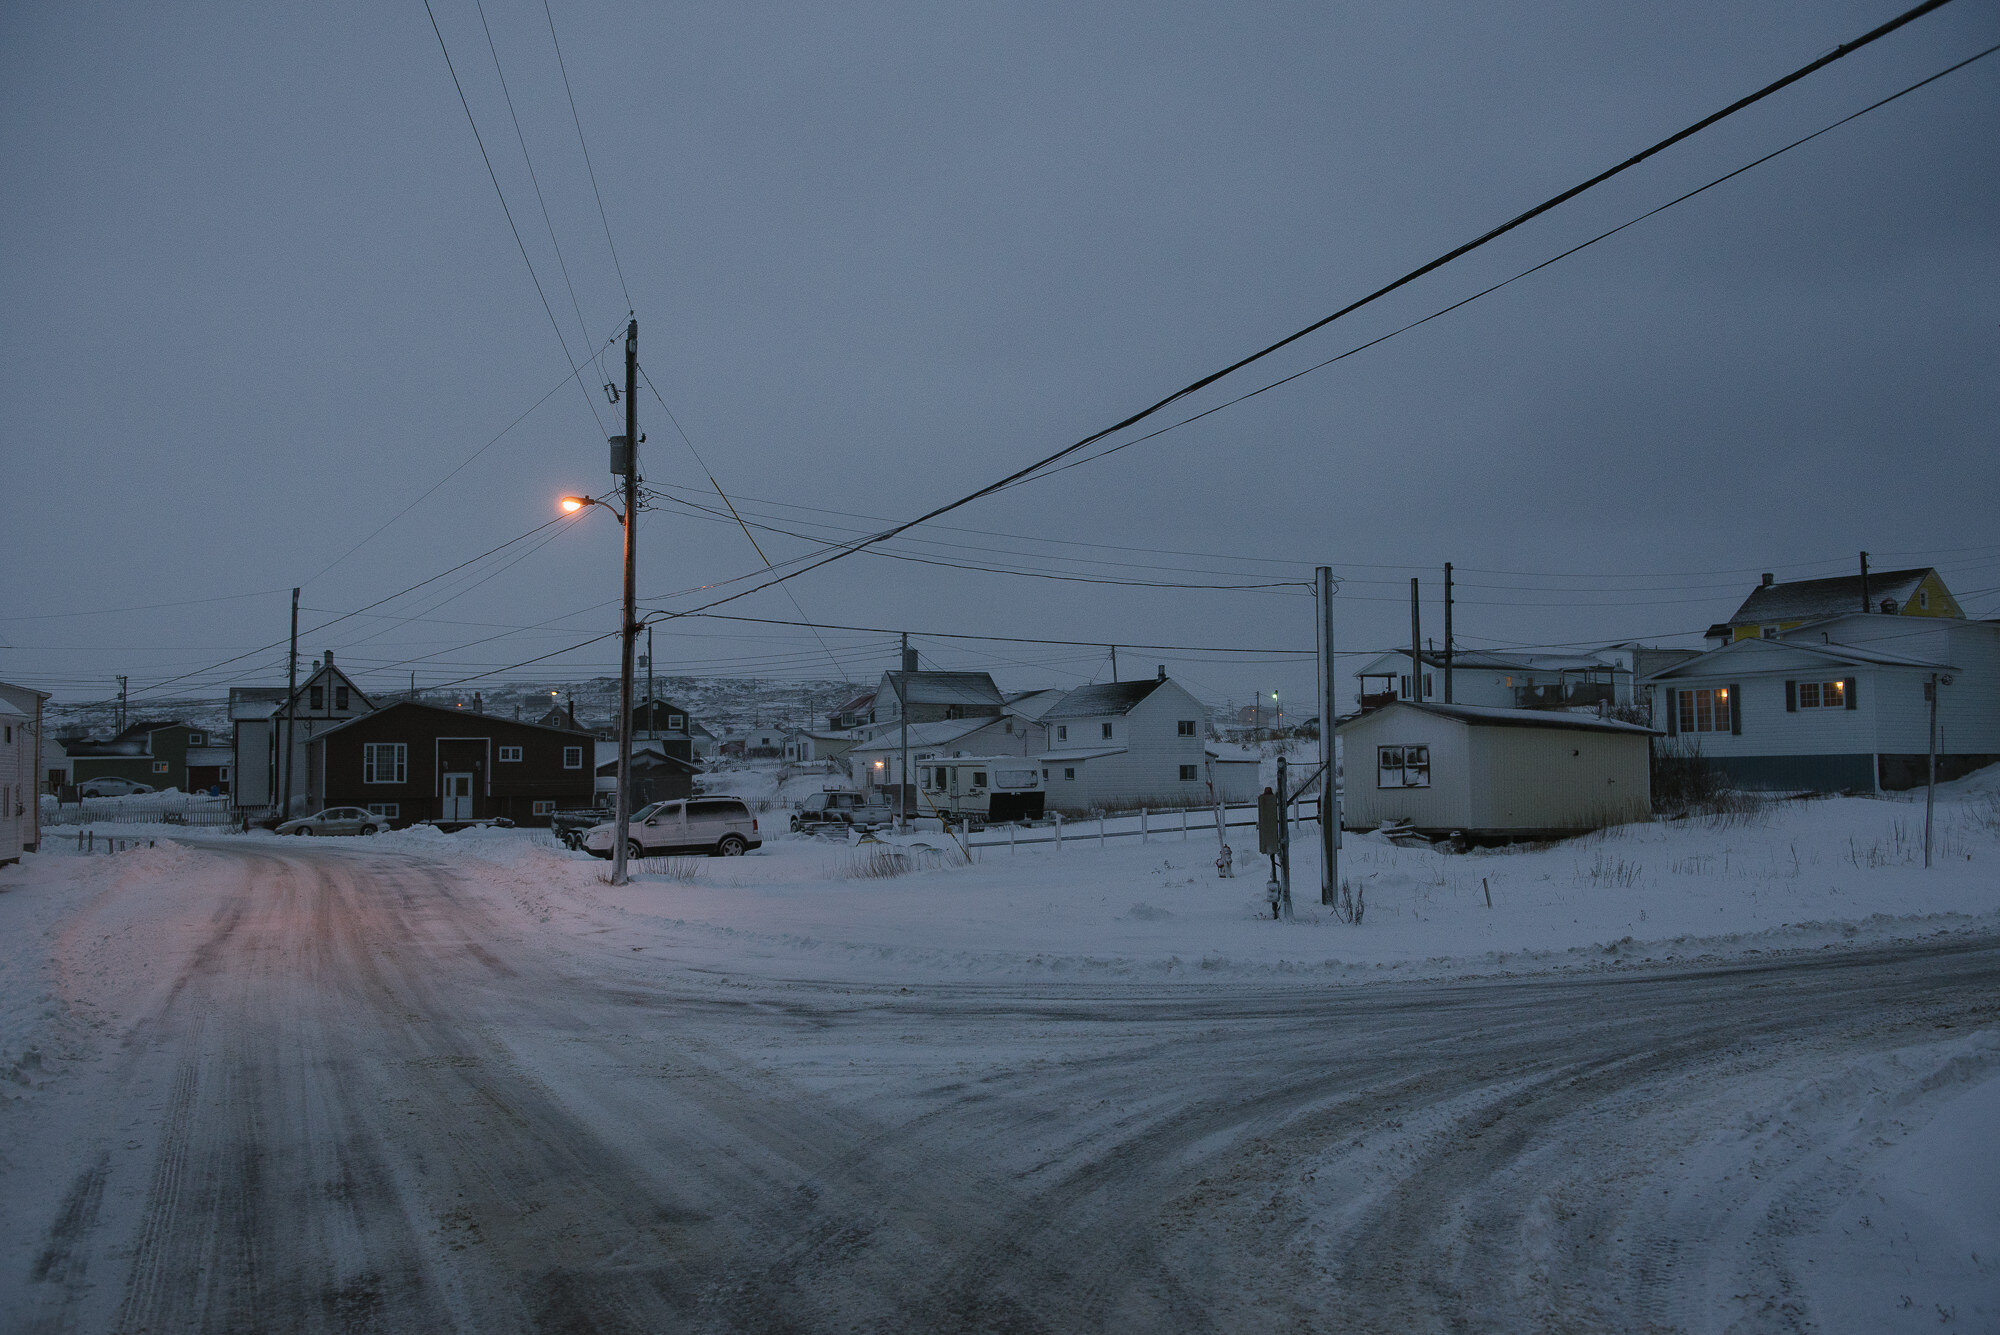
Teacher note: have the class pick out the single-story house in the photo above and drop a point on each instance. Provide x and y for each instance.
(1489, 772)
(659, 773)
(410, 762)
(803, 745)
(1840, 705)
(20, 770)
(153, 752)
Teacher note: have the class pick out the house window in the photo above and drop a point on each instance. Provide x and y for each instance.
(1924, 599)
(1768, 632)
(385, 762)
(1069, 772)
(543, 808)
(676, 722)
(159, 767)
(316, 697)
(572, 757)
(1822, 695)
(979, 778)
(1185, 728)
(1403, 767)
(340, 698)
(508, 753)
(1045, 776)
(1190, 774)
(1062, 732)
(1704, 711)
(953, 711)
(194, 739)
(386, 810)
(1107, 731)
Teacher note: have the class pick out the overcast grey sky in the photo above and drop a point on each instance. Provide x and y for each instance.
(261, 296)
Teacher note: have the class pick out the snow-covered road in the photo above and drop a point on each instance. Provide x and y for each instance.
(337, 1088)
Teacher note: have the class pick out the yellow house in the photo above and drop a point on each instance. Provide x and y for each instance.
(1773, 608)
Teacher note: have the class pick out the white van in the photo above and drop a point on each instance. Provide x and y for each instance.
(720, 826)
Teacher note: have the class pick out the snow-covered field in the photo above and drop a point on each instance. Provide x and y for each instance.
(1720, 1073)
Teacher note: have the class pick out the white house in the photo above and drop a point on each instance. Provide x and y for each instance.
(1840, 704)
(258, 717)
(1485, 771)
(1121, 745)
(20, 771)
(804, 745)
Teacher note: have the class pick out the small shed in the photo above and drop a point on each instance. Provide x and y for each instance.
(1488, 772)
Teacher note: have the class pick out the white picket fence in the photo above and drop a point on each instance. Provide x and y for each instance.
(1180, 825)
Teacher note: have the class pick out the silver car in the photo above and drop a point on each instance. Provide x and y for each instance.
(335, 820)
(112, 787)
(721, 826)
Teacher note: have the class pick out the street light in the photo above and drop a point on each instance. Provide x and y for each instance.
(575, 504)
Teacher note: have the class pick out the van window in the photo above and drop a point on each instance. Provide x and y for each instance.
(728, 807)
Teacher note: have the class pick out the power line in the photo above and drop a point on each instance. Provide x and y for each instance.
(578, 120)
(997, 639)
(1195, 386)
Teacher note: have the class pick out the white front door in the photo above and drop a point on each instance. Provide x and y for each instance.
(458, 797)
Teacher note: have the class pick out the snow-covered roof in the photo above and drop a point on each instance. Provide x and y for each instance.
(1494, 716)
(1838, 653)
(1032, 705)
(1805, 599)
(1107, 697)
(8, 711)
(943, 688)
(1496, 660)
(935, 733)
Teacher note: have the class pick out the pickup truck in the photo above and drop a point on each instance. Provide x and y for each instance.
(839, 809)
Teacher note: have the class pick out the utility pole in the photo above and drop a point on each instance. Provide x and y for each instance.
(630, 613)
(1329, 801)
(1284, 843)
(1930, 788)
(1416, 647)
(903, 720)
(653, 722)
(122, 680)
(1864, 581)
(1447, 632)
(1114, 663)
(291, 690)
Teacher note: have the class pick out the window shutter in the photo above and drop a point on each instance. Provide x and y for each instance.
(1847, 689)
(1673, 713)
(1791, 697)
(1735, 708)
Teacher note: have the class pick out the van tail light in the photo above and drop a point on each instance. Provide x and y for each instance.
(753, 825)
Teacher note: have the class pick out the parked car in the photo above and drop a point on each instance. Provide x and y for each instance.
(721, 826)
(111, 787)
(841, 809)
(334, 820)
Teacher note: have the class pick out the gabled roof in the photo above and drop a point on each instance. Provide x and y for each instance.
(1033, 704)
(1493, 716)
(1857, 655)
(465, 714)
(145, 727)
(1807, 599)
(943, 688)
(856, 704)
(1109, 697)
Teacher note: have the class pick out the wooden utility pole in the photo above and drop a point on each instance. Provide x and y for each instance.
(630, 611)
(1416, 647)
(1329, 800)
(1114, 662)
(1864, 581)
(902, 681)
(1447, 632)
(291, 690)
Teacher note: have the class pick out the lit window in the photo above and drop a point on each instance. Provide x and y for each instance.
(1704, 711)
(545, 808)
(510, 753)
(1403, 767)
(1822, 695)
(159, 767)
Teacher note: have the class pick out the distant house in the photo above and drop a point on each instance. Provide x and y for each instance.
(562, 716)
(1487, 771)
(1774, 608)
(1120, 745)
(153, 752)
(1840, 704)
(20, 770)
(930, 697)
(803, 745)
(857, 711)
(409, 762)
(657, 774)
(262, 717)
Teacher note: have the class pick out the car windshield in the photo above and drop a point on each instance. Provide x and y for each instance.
(651, 808)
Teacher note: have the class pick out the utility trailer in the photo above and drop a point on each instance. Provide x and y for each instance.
(841, 809)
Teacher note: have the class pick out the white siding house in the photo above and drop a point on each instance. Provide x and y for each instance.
(1122, 745)
(20, 771)
(258, 714)
(1840, 704)
(1484, 771)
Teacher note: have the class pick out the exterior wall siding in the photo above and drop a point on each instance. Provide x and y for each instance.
(1446, 804)
(1558, 779)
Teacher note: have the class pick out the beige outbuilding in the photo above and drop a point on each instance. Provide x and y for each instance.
(1487, 772)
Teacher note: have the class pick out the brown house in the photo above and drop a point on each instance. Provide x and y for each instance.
(414, 762)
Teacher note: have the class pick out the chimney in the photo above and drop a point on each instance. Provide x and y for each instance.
(1163, 672)
(1767, 579)
(478, 704)
(909, 660)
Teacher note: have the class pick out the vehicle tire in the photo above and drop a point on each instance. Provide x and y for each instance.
(634, 851)
(795, 825)
(303, 830)
(731, 846)
(368, 829)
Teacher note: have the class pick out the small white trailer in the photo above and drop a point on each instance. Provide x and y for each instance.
(981, 790)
